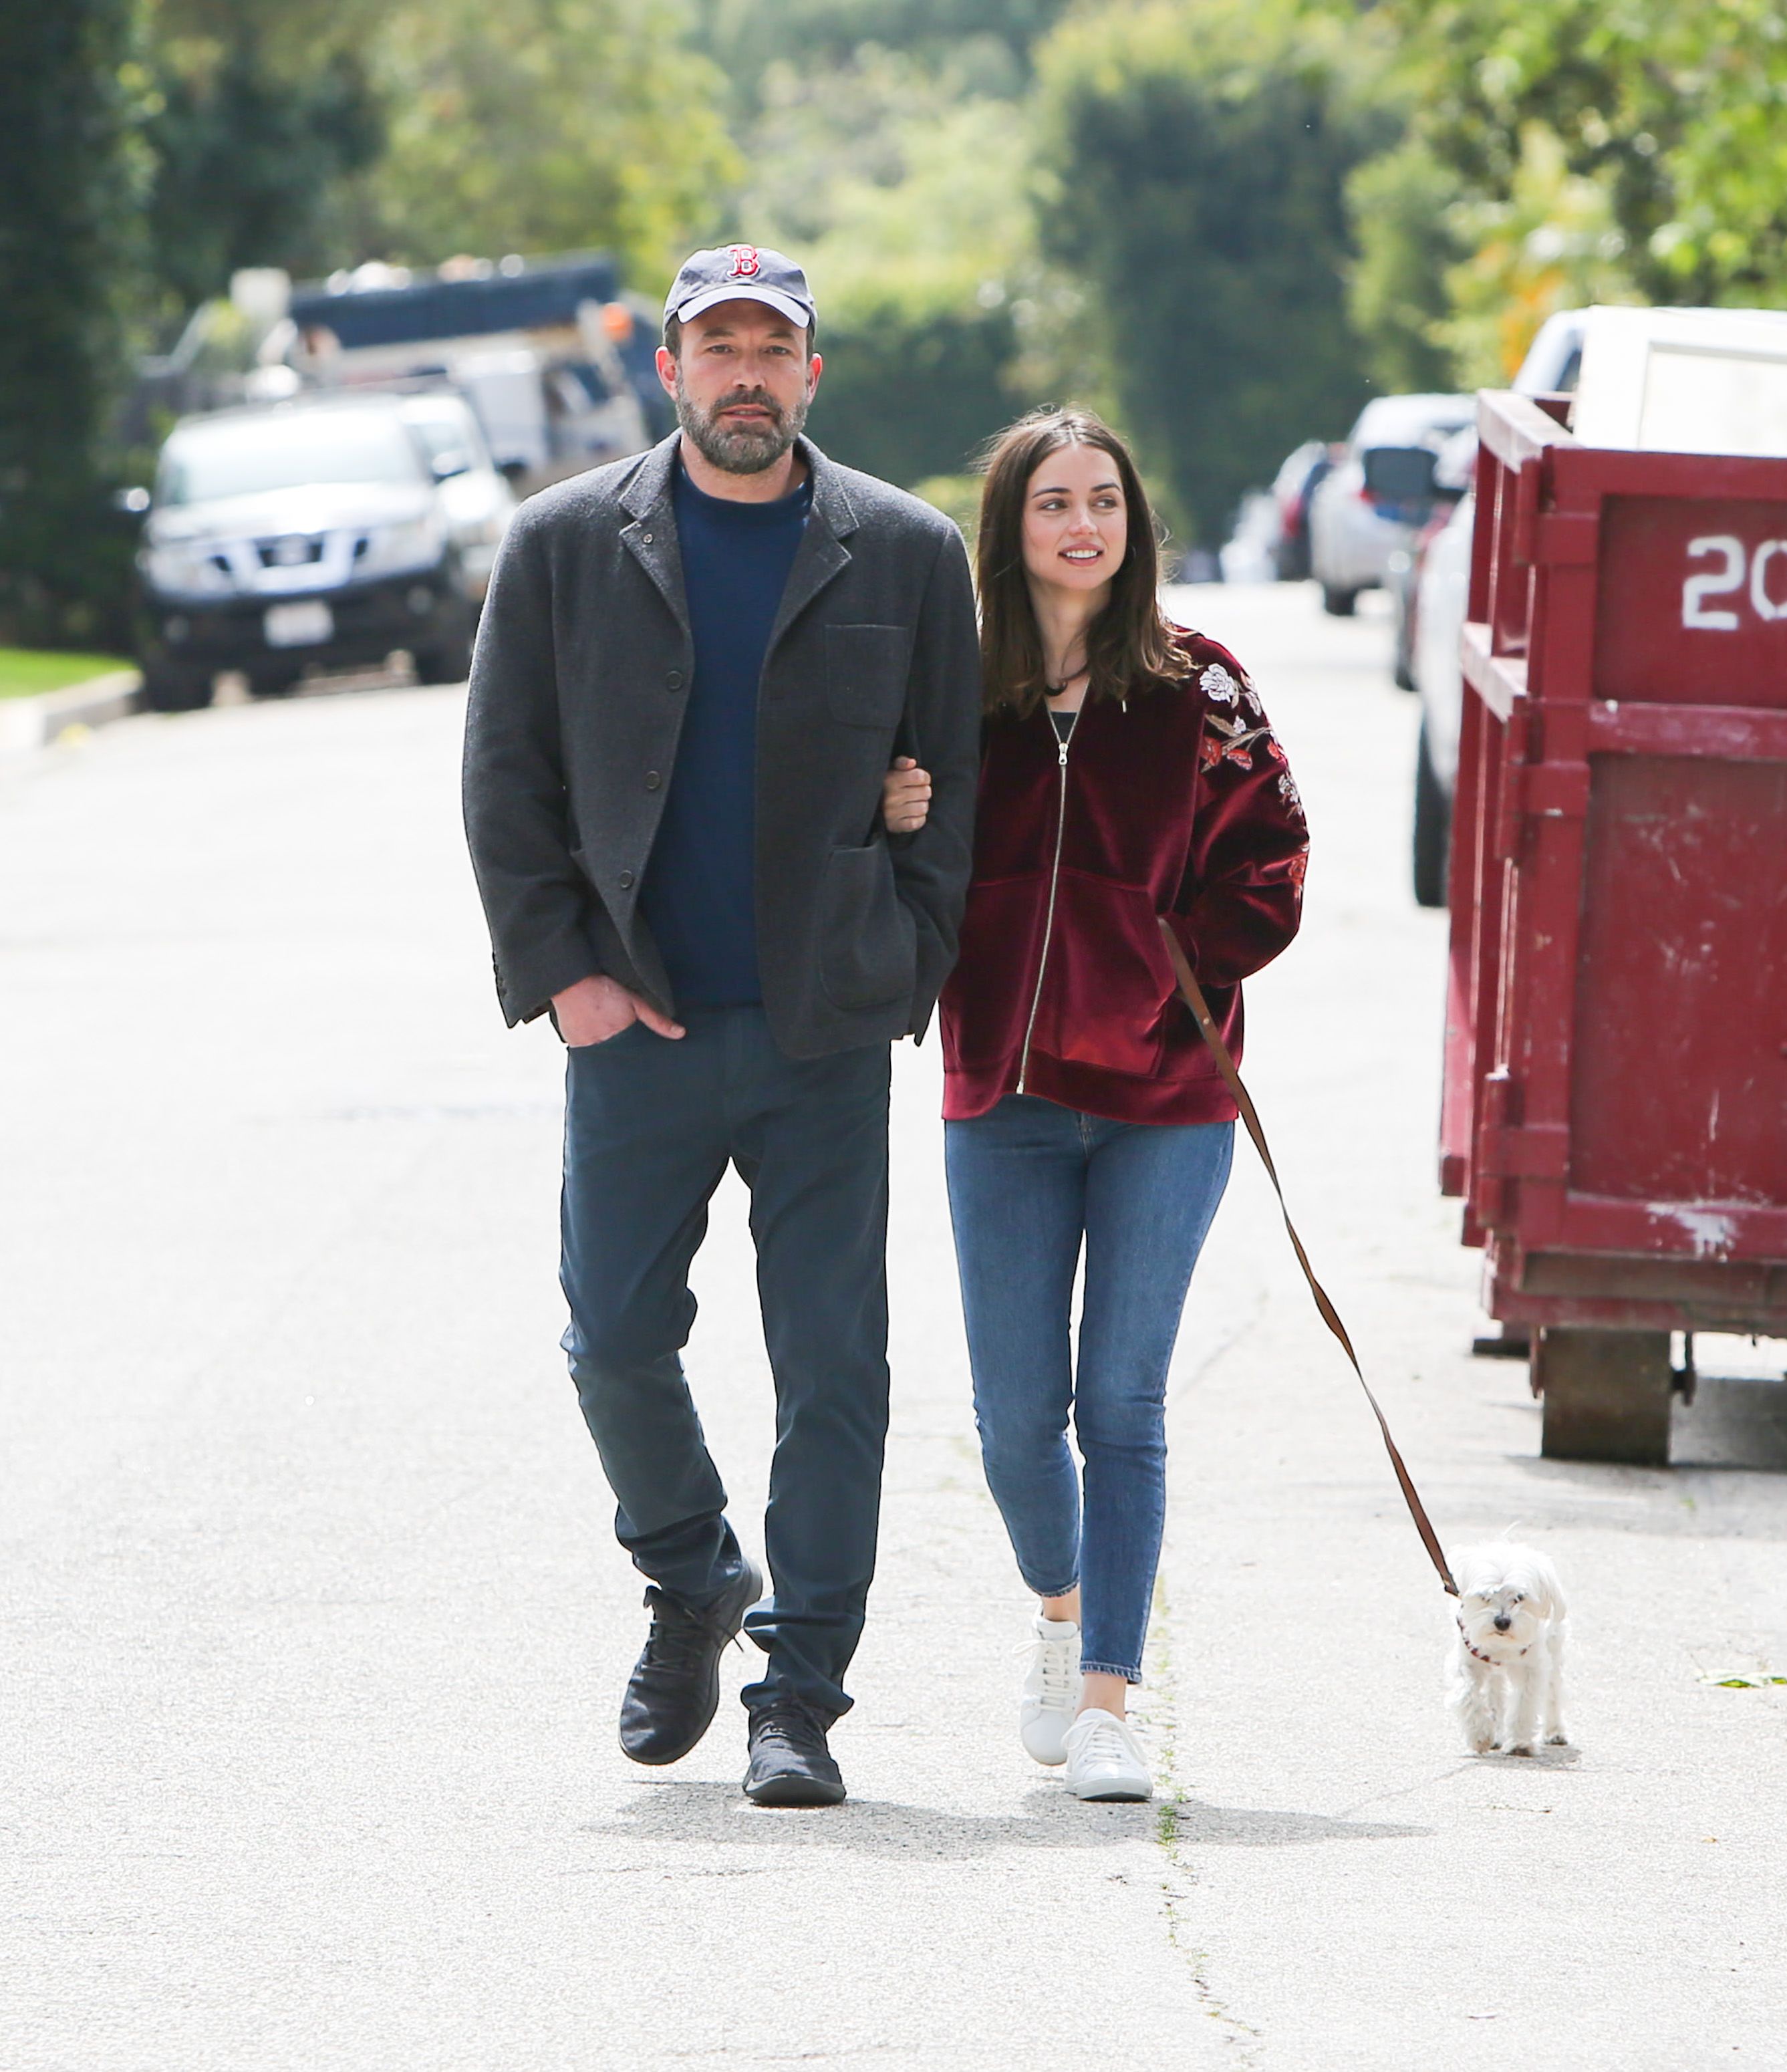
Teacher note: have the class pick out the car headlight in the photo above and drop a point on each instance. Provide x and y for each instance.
(417, 543)
(184, 570)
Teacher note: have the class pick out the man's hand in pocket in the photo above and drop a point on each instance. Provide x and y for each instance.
(596, 1008)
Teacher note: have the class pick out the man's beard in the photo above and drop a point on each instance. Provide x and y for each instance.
(739, 448)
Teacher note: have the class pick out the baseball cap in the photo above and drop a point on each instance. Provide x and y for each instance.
(735, 272)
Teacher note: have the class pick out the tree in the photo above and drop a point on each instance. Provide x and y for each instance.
(907, 207)
(1404, 210)
(543, 125)
(1195, 159)
(995, 36)
(67, 181)
(247, 153)
(1551, 245)
(1593, 153)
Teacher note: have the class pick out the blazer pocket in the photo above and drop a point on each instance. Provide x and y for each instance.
(868, 945)
(865, 673)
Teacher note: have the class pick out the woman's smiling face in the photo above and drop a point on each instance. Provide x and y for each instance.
(1076, 526)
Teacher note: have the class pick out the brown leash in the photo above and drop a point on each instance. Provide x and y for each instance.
(1330, 1316)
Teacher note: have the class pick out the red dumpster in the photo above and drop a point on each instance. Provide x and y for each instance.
(1614, 1110)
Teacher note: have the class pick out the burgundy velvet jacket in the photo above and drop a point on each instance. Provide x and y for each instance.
(1179, 803)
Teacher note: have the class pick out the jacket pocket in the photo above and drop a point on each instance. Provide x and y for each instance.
(867, 949)
(865, 673)
(986, 1000)
(1107, 981)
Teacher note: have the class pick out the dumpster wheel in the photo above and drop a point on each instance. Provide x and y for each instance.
(1607, 1395)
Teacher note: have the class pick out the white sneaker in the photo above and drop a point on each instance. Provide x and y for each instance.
(1104, 1759)
(1051, 1690)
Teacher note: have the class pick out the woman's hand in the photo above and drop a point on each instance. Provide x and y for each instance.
(906, 797)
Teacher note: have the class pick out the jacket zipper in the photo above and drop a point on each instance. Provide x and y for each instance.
(1048, 920)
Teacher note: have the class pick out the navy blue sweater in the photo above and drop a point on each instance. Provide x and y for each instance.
(698, 898)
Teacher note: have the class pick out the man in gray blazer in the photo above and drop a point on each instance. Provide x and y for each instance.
(693, 670)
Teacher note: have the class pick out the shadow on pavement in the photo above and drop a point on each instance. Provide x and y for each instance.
(1196, 1825)
(1732, 1424)
(706, 1813)
(1752, 1496)
(1567, 1757)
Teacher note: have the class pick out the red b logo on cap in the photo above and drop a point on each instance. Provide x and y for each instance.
(746, 264)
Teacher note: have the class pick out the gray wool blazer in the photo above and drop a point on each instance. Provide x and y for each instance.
(583, 655)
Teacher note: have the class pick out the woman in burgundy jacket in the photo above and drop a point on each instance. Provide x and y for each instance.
(1129, 777)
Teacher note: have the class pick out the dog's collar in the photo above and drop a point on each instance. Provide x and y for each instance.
(1478, 1652)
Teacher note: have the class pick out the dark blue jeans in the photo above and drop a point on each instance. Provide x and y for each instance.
(650, 1124)
(1028, 1182)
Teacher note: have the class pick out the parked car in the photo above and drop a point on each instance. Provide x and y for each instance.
(476, 497)
(331, 531)
(1250, 554)
(1377, 496)
(1453, 472)
(1439, 682)
(1292, 487)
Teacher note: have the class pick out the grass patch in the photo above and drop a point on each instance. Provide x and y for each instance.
(24, 671)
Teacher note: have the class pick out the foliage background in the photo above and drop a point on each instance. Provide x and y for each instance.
(1225, 222)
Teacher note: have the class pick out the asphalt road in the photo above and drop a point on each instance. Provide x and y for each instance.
(313, 1630)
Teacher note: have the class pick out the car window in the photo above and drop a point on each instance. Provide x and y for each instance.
(446, 431)
(244, 456)
(1411, 420)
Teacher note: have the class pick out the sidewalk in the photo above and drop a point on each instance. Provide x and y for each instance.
(29, 723)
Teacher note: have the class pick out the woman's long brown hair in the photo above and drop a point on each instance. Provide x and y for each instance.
(1130, 646)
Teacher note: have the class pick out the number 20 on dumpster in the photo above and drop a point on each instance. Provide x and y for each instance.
(1731, 564)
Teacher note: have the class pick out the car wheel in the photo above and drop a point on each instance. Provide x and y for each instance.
(1432, 828)
(1338, 603)
(447, 662)
(175, 690)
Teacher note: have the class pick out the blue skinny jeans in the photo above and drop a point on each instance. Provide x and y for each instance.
(1029, 1182)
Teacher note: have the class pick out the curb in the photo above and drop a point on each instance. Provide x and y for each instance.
(30, 723)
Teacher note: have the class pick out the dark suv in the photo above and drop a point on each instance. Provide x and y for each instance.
(324, 532)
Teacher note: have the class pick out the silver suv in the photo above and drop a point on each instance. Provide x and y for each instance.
(1376, 499)
(324, 531)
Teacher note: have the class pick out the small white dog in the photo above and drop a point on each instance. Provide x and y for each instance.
(1507, 1657)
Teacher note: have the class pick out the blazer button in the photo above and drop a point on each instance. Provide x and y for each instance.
(652, 780)
(626, 880)
(674, 681)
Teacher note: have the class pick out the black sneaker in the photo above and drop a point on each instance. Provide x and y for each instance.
(673, 1691)
(791, 1764)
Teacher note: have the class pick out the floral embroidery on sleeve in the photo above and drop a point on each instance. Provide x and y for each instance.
(1232, 740)
(1242, 894)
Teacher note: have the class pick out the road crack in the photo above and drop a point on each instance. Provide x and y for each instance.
(1179, 1883)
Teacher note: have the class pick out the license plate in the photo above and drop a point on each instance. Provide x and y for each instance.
(298, 625)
